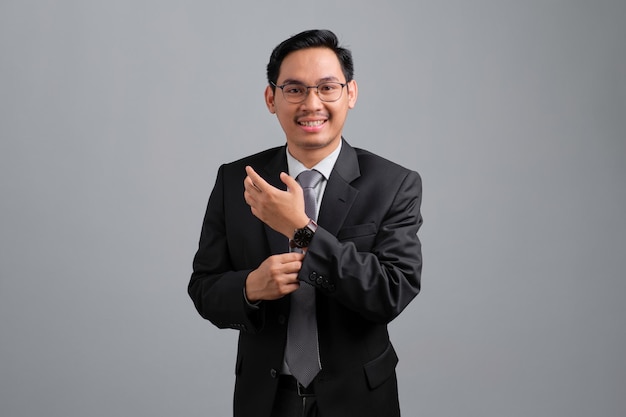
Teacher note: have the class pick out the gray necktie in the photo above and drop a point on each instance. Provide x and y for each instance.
(302, 351)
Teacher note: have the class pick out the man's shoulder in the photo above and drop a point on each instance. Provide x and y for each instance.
(371, 161)
(383, 175)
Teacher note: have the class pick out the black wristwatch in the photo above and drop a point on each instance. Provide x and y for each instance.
(302, 237)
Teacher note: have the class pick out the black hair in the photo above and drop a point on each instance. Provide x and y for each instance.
(309, 39)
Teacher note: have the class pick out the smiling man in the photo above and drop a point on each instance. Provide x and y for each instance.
(310, 249)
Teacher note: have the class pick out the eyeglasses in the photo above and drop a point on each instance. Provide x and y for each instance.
(296, 93)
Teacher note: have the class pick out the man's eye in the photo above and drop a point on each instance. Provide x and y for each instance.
(291, 89)
(327, 87)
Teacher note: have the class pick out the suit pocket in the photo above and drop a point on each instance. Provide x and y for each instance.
(381, 368)
(362, 235)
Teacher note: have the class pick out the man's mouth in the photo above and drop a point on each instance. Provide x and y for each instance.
(311, 123)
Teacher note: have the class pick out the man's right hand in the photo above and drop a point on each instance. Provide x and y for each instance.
(276, 277)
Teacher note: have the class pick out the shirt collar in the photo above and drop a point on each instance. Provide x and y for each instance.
(325, 166)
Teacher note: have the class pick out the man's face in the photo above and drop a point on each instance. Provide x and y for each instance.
(312, 126)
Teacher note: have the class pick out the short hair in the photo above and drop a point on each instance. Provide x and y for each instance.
(315, 38)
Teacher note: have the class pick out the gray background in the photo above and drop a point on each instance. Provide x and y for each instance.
(114, 117)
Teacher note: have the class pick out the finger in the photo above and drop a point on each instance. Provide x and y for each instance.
(249, 198)
(288, 287)
(290, 280)
(289, 181)
(249, 191)
(249, 187)
(290, 257)
(292, 285)
(292, 268)
(290, 277)
(257, 181)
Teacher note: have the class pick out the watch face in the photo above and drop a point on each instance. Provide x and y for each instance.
(303, 237)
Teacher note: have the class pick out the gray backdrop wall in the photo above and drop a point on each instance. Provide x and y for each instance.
(114, 117)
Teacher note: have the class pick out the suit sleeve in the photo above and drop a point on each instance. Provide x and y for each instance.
(216, 288)
(379, 283)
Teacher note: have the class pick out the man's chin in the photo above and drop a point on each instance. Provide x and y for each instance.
(317, 143)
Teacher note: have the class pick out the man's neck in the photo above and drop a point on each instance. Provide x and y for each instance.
(312, 156)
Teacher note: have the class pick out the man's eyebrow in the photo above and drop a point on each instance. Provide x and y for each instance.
(292, 81)
(329, 78)
(321, 80)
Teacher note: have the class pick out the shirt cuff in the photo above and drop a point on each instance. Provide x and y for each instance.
(254, 305)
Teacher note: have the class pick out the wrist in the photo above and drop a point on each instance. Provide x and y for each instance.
(250, 302)
(301, 223)
(248, 290)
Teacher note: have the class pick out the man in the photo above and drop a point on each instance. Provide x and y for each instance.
(311, 274)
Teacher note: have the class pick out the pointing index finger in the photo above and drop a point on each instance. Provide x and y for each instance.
(257, 181)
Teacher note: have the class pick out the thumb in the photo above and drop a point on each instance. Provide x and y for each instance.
(290, 182)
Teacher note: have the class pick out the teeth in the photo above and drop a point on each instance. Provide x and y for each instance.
(312, 123)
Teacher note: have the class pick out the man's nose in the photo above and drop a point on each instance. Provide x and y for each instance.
(312, 99)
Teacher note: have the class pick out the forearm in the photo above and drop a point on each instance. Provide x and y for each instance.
(220, 299)
(376, 285)
(373, 267)
(217, 285)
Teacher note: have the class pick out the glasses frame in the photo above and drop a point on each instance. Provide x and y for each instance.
(308, 87)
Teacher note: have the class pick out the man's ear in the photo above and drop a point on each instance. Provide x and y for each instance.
(269, 99)
(353, 92)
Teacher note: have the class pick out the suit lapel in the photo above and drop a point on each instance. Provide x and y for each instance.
(339, 194)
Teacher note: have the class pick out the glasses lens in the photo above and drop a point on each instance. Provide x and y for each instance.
(294, 93)
(329, 91)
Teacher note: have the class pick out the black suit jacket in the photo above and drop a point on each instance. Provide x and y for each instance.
(364, 260)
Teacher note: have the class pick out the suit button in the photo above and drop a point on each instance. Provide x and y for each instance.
(313, 276)
(320, 279)
(273, 373)
(281, 319)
